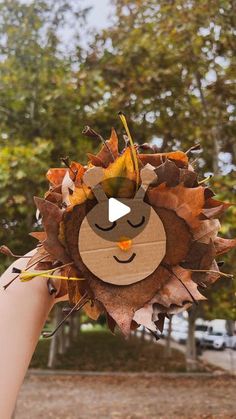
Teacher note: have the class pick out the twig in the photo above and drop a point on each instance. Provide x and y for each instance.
(186, 288)
(6, 251)
(30, 266)
(210, 271)
(84, 300)
(91, 133)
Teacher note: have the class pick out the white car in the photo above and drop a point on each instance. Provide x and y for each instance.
(215, 340)
(180, 336)
(200, 331)
(231, 342)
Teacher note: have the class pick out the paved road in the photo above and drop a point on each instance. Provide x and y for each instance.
(223, 359)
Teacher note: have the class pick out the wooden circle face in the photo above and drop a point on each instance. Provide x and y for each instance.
(105, 259)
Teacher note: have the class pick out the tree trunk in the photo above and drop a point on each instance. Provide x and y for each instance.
(69, 332)
(76, 326)
(53, 350)
(72, 327)
(167, 352)
(234, 153)
(191, 353)
(230, 327)
(52, 356)
(62, 340)
(215, 132)
(143, 331)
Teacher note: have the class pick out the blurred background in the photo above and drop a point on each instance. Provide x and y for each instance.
(170, 66)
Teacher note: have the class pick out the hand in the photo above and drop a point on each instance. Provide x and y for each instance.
(24, 308)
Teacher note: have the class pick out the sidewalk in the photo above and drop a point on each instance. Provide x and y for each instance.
(223, 359)
(125, 396)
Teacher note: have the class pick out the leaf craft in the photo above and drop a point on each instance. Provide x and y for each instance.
(181, 206)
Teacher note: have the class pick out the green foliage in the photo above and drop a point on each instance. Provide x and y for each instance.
(41, 118)
(39, 97)
(21, 168)
(222, 296)
(169, 66)
(225, 189)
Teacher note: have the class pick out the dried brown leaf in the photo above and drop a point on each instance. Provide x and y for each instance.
(213, 208)
(200, 256)
(67, 187)
(51, 218)
(108, 152)
(209, 278)
(180, 158)
(111, 323)
(160, 321)
(186, 202)
(39, 235)
(96, 161)
(6, 251)
(168, 311)
(144, 317)
(40, 254)
(122, 302)
(206, 231)
(55, 176)
(76, 289)
(76, 172)
(188, 178)
(54, 197)
(167, 173)
(178, 236)
(178, 291)
(208, 193)
(110, 149)
(93, 310)
(224, 245)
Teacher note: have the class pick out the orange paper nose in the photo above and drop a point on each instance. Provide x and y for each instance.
(124, 245)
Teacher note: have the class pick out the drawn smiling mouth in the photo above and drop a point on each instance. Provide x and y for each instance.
(127, 260)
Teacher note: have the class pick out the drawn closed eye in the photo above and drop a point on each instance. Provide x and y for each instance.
(138, 224)
(106, 228)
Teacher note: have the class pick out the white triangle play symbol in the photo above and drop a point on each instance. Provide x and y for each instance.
(116, 210)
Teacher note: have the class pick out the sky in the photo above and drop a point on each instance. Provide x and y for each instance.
(98, 17)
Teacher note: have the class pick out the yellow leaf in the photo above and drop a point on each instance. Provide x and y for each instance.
(117, 174)
(80, 194)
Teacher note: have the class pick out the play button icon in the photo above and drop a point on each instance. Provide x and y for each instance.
(111, 216)
(116, 210)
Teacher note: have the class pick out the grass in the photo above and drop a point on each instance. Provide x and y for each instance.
(101, 351)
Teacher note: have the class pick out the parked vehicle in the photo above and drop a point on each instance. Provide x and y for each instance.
(208, 334)
(215, 340)
(231, 342)
(180, 336)
(177, 323)
(200, 329)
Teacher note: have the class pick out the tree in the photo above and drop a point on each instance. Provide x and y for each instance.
(41, 115)
(220, 301)
(169, 65)
(221, 298)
